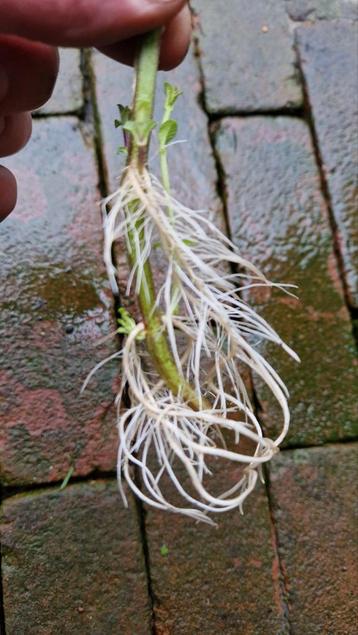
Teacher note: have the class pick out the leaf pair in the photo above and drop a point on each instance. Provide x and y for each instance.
(140, 130)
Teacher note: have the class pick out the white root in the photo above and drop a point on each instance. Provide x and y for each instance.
(211, 332)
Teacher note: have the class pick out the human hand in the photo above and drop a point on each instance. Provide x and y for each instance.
(31, 31)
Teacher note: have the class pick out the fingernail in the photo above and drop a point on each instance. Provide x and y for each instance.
(4, 83)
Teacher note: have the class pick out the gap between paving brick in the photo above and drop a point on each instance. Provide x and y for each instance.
(353, 312)
(2, 612)
(282, 581)
(244, 114)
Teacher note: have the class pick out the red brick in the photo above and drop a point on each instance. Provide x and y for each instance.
(316, 514)
(72, 563)
(55, 307)
(223, 579)
(279, 221)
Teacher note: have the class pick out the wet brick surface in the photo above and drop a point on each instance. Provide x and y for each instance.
(217, 579)
(279, 221)
(315, 510)
(72, 563)
(55, 307)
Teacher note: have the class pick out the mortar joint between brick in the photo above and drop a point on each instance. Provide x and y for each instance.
(309, 117)
(283, 587)
(9, 491)
(296, 112)
(327, 443)
(141, 513)
(2, 606)
(221, 187)
(93, 118)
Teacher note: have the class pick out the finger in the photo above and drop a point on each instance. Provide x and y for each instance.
(15, 131)
(90, 23)
(8, 190)
(175, 43)
(176, 40)
(28, 72)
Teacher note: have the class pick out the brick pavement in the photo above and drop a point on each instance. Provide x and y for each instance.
(279, 170)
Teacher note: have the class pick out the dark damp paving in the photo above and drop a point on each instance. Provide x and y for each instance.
(269, 116)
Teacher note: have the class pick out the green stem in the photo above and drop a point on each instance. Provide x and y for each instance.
(164, 172)
(142, 112)
(143, 104)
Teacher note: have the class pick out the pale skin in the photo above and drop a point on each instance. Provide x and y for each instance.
(31, 31)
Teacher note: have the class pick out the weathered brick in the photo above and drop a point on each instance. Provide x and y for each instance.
(217, 579)
(55, 306)
(301, 10)
(328, 54)
(68, 93)
(247, 56)
(72, 563)
(279, 220)
(316, 514)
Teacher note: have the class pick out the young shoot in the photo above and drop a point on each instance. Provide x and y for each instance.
(182, 364)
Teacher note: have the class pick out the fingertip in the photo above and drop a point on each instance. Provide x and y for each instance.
(176, 40)
(8, 189)
(175, 43)
(30, 70)
(85, 23)
(15, 132)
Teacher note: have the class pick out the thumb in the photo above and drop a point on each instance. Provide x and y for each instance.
(84, 22)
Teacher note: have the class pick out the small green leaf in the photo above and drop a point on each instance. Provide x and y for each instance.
(190, 243)
(171, 94)
(126, 323)
(164, 551)
(167, 132)
(124, 319)
(122, 150)
(67, 478)
(125, 113)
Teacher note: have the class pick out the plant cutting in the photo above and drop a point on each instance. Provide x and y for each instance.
(189, 410)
